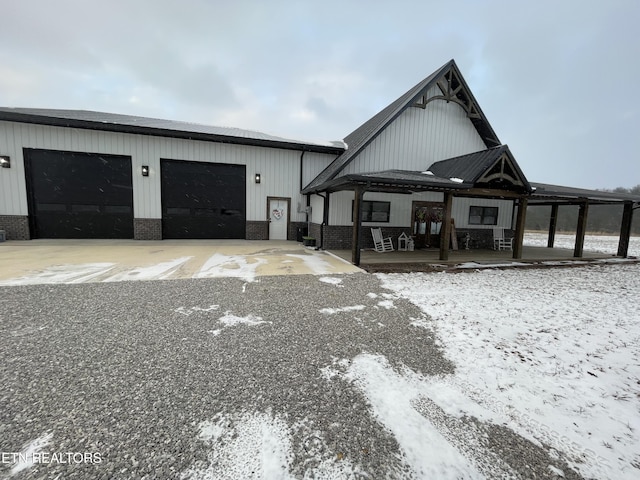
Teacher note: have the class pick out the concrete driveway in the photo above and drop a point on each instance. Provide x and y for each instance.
(80, 261)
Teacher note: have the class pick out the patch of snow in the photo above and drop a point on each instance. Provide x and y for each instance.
(239, 266)
(25, 457)
(554, 350)
(260, 446)
(159, 271)
(314, 262)
(592, 243)
(388, 304)
(332, 311)
(229, 320)
(78, 273)
(390, 395)
(332, 280)
(456, 179)
(427, 172)
(372, 295)
(475, 265)
(188, 311)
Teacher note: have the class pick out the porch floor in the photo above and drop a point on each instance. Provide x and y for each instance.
(425, 258)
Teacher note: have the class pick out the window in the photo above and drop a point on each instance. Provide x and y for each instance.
(374, 211)
(483, 215)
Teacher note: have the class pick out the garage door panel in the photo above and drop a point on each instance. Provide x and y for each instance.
(80, 195)
(203, 200)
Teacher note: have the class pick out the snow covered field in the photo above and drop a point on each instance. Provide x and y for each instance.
(552, 353)
(592, 243)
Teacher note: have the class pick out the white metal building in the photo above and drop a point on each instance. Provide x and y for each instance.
(428, 163)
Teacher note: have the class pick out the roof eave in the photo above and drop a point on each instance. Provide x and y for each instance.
(162, 132)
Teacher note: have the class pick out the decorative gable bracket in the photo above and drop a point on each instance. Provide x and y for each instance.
(453, 90)
(503, 172)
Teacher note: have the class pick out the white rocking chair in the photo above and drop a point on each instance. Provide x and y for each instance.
(500, 242)
(381, 244)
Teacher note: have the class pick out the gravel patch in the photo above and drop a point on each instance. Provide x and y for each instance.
(132, 369)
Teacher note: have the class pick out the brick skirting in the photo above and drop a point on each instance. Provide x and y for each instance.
(16, 227)
(147, 228)
(257, 230)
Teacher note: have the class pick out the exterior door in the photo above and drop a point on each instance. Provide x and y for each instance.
(427, 223)
(278, 215)
(203, 200)
(79, 195)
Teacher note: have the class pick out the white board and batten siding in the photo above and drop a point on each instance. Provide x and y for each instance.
(340, 207)
(401, 209)
(418, 138)
(279, 169)
(460, 211)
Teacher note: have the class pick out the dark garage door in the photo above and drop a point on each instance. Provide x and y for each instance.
(79, 195)
(203, 200)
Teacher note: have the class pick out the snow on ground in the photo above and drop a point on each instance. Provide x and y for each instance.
(332, 281)
(315, 263)
(592, 243)
(557, 351)
(159, 271)
(391, 395)
(350, 308)
(77, 273)
(260, 446)
(28, 456)
(230, 320)
(240, 266)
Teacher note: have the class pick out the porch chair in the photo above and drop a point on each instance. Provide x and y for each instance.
(381, 244)
(499, 240)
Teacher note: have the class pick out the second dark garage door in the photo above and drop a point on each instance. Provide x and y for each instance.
(203, 200)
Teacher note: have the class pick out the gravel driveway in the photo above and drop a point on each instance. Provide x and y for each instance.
(146, 376)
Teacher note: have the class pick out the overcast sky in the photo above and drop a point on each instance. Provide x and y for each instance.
(558, 80)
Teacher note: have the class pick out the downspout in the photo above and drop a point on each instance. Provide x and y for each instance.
(302, 170)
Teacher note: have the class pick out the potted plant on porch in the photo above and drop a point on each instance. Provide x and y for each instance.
(309, 241)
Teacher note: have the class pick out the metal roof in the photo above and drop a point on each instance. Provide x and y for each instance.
(368, 131)
(545, 193)
(473, 166)
(164, 128)
(404, 181)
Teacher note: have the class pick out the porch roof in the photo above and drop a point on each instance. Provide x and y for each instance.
(545, 194)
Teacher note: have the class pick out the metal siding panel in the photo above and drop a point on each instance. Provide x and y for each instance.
(461, 205)
(399, 213)
(419, 138)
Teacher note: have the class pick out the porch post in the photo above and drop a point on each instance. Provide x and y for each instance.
(625, 229)
(582, 229)
(553, 222)
(520, 224)
(445, 231)
(357, 226)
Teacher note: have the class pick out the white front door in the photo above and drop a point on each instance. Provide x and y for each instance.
(278, 216)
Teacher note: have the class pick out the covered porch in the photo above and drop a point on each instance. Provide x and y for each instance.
(429, 259)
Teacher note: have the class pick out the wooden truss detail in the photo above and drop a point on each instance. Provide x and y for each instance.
(453, 90)
(502, 171)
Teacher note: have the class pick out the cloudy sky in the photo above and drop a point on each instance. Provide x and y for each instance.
(557, 79)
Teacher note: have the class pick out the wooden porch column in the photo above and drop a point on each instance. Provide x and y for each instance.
(582, 229)
(625, 229)
(520, 224)
(445, 231)
(357, 226)
(553, 221)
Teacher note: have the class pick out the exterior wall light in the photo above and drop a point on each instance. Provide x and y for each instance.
(145, 170)
(258, 179)
(5, 161)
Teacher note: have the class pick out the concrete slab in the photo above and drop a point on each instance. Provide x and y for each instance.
(80, 261)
